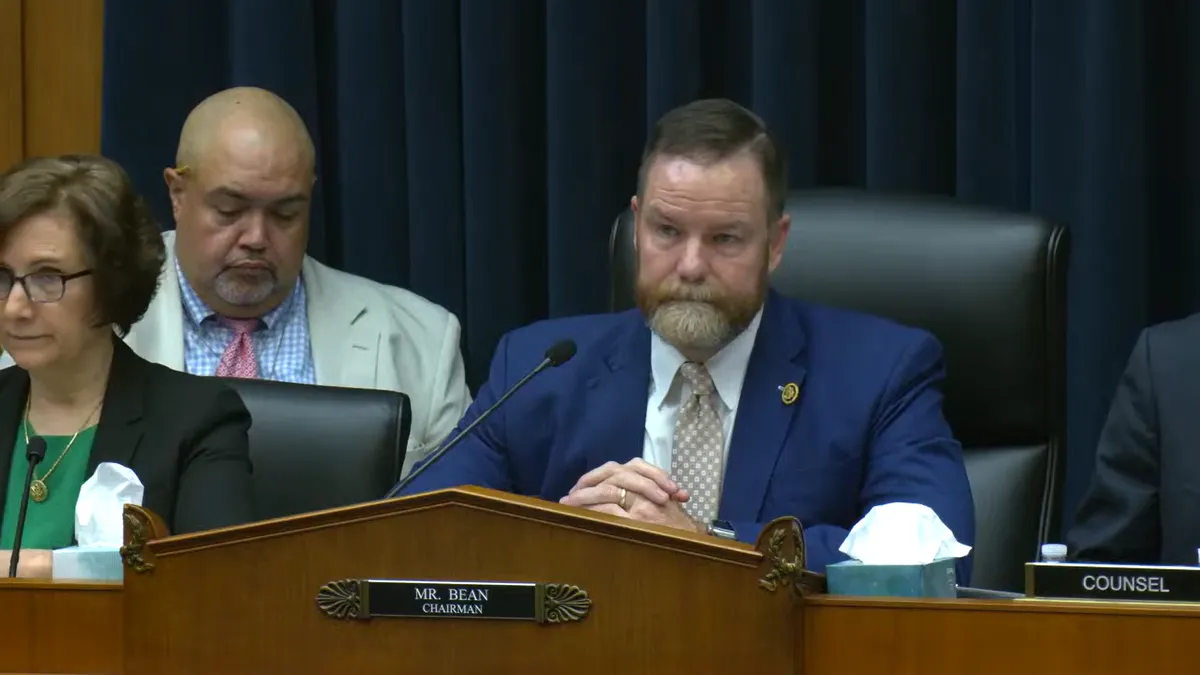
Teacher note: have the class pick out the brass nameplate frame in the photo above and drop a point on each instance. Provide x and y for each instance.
(1094, 581)
(362, 599)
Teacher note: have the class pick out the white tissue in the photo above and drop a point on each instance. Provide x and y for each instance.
(99, 512)
(901, 534)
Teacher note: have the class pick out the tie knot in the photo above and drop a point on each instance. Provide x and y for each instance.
(697, 376)
(240, 326)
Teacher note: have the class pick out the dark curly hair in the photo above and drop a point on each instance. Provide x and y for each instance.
(121, 241)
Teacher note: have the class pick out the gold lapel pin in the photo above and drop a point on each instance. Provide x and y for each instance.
(789, 392)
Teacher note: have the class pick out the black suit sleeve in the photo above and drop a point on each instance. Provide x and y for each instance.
(1118, 519)
(215, 483)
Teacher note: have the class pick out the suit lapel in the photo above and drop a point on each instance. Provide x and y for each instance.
(12, 407)
(344, 336)
(119, 432)
(763, 418)
(159, 336)
(616, 401)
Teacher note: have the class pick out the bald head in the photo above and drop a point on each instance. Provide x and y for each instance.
(250, 120)
(240, 193)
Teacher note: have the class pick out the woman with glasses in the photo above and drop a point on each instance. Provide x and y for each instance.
(80, 258)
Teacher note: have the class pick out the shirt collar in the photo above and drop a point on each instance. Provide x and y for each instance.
(198, 311)
(727, 367)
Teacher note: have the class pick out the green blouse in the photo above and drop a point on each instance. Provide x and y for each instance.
(49, 524)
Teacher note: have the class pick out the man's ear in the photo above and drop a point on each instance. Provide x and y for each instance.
(778, 240)
(176, 184)
(633, 208)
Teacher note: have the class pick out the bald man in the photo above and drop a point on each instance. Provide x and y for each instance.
(240, 298)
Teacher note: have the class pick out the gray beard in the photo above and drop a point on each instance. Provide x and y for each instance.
(692, 326)
(240, 294)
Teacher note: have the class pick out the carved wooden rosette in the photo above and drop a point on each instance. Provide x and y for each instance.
(562, 603)
(782, 544)
(141, 526)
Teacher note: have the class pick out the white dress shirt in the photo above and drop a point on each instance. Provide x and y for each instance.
(668, 391)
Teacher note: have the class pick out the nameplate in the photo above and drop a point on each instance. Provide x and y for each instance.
(1088, 581)
(361, 599)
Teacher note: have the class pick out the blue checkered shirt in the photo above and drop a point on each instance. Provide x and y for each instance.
(281, 344)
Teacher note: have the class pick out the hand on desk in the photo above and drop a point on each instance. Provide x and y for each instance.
(34, 564)
(637, 490)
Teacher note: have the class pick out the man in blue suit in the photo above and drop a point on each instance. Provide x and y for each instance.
(719, 405)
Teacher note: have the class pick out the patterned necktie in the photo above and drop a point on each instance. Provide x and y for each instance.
(699, 447)
(238, 359)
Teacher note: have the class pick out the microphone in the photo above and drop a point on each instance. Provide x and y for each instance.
(35, 452)
(558, 354)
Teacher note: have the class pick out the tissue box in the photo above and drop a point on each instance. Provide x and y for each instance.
(88, 563)
(931, 580)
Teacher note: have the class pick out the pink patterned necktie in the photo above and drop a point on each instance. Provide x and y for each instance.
(238, 359)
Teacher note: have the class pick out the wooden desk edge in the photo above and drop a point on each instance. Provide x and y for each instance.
(1038, 605)
(1026, 605)
(60, 585)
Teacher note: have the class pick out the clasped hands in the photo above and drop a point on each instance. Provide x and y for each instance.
(637, 490)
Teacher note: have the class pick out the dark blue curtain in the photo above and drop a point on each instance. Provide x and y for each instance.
(476, 151)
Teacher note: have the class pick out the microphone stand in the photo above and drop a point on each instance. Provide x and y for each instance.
(34, 455)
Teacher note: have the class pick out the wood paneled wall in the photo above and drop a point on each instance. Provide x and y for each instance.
(51, 56)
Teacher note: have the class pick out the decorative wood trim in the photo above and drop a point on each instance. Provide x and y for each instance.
(141, 526)
(785, 559)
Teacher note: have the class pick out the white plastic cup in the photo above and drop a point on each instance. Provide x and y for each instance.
(1055, 553)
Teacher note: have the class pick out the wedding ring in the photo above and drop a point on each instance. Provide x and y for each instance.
(621, 501)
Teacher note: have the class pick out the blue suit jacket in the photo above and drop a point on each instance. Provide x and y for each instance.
(867, 429)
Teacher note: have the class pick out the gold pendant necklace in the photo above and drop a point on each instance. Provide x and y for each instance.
(38, 490)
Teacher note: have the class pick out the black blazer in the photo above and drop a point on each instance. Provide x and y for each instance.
(183, 435)
(1143, 505)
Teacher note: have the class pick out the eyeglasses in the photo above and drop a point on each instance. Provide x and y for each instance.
(39, 286)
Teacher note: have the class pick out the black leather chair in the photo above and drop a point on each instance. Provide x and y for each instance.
(317, 447)
(991, 286)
